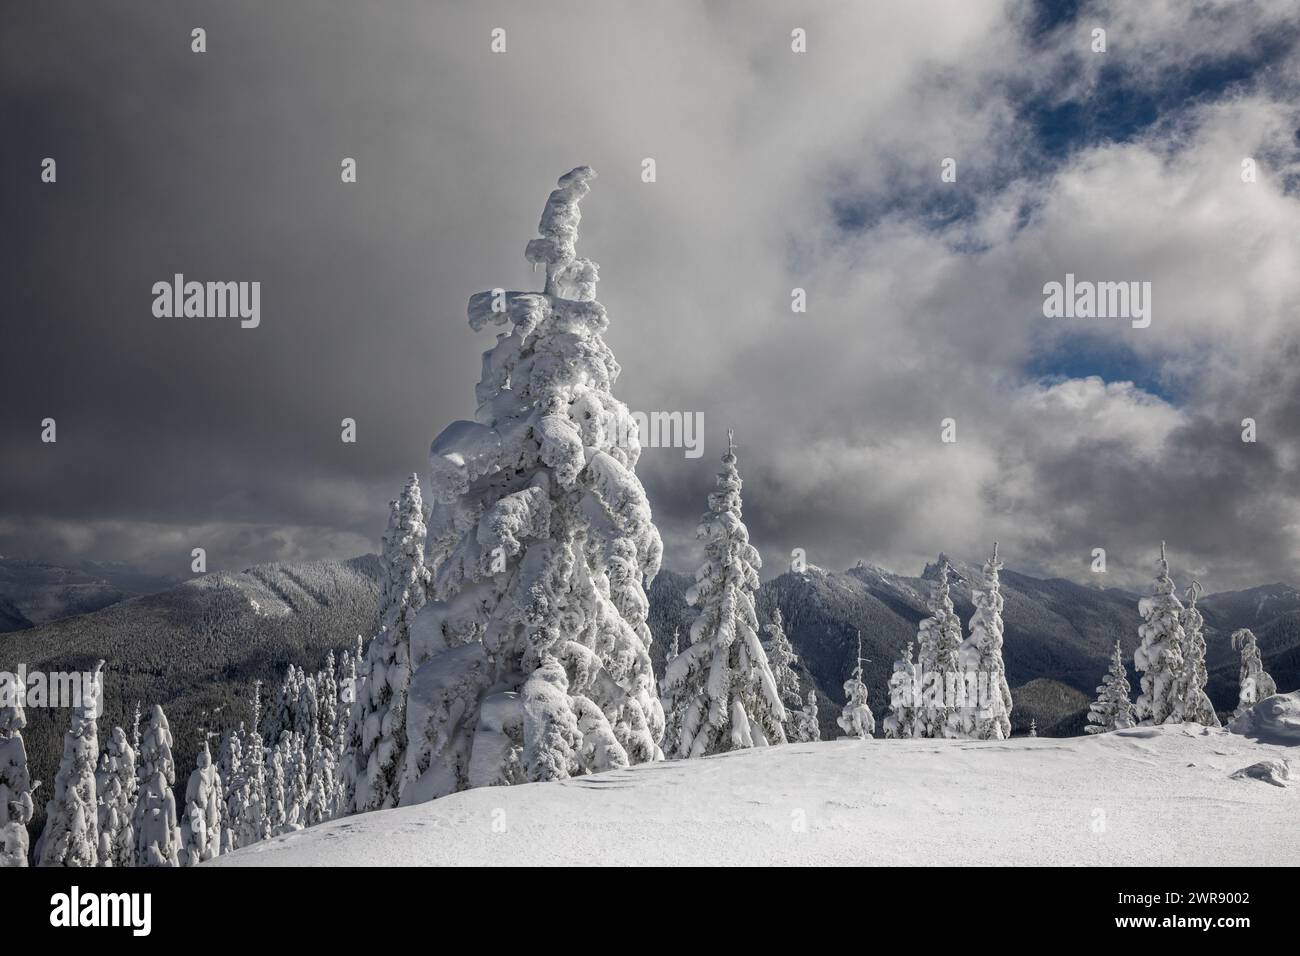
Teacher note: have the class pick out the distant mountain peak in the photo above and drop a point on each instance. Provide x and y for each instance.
(931, 572)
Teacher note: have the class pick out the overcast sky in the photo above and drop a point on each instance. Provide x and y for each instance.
(774, 170)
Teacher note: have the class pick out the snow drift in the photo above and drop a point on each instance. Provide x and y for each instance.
(1147, 796)
(1273, 720)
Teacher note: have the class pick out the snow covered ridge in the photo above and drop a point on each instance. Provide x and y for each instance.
(1155, 796)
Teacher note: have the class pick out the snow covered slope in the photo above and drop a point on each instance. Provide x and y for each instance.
(1144, 796)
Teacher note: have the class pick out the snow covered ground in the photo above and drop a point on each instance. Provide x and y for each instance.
(1162, 796)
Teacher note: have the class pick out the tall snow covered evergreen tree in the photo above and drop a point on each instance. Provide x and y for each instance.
(730, 697)
(938, 665)
(201, 822)
(532, 656)
(1255, 682)
(988, 698)
(378, 729)
(157, 835)
(856, 720)
(806, 728)
(903, 719)
(71, 836)
(1112, 710)
(1033, 726)
(16, 806)
(1160, 654)
(1197, 708)
(116, 785)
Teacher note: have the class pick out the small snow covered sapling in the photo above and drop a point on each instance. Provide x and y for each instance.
(1112, 710)
(902, 719)
(806, 727)
(1255, 682)
(1197, 708)
(856, 720)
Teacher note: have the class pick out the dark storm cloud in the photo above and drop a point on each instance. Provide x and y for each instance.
(176, 433)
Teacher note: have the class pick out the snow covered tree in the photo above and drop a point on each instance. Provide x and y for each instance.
(135, 729)
(903, 719)
(730, 696)
(1112, 710)
(201, 824)
(277, 811)
(781, 659)
(16, 806)
(71, 836)
(532, 656)
(938, 665)
(116, 785)
(1160, 654)
(856, 720)
(291, 756)
(988, 698)
(806, 728)
(674, 710)
(1033, 726)
(326, 773)
(378, 729)
(157, 835)
(255, 827)
(232, 770)
(1197, 707)
(1255, 683)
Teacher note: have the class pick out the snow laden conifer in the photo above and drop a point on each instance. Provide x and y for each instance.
(378, 732)
(230, 767)
(938, 663)
(856, 719)
(1112, 710)
(157, 834)
(116, 785)
(722, 679)
(988, 698)
(201, 822)
(1197, 708)
(378, 729)
(903, 719)
(1033, 726)
(1159, 654)
(781, 658)
(71, 835)
(805, 728)
(532, 657)
(16, 806)
(674, 710)
(1255, 682)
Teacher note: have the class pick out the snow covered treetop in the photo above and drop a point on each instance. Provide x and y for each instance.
(559, 228)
